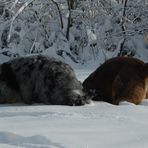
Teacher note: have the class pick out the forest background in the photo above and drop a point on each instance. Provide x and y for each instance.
(77, 30)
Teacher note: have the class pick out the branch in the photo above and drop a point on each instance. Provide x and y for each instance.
(31, 49)
(14, 4)
(15, 16)
(61, 20)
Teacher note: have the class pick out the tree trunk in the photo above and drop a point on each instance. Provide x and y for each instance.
(123, 26)
(70, 4)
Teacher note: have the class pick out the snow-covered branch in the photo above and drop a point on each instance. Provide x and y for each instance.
(15, 16)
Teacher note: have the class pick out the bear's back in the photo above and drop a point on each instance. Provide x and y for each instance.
(102, 78)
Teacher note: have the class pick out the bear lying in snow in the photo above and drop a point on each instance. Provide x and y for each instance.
(39, 79)
(119, 79)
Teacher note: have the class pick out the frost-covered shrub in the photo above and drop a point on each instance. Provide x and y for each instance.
(84, 30)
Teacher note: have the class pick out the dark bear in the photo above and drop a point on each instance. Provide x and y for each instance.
(119, 79)
(40, 79)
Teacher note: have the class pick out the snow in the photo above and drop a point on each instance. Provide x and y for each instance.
(97, 125)
(95, 37)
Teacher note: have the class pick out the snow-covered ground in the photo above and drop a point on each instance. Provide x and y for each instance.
(98, 125)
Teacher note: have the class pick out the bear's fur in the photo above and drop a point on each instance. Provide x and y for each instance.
(119, 79)
(39, 79)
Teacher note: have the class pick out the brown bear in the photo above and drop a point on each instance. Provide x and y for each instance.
(119, 79)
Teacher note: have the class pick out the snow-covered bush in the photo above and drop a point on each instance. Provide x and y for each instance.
(82, 30)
